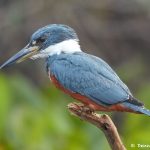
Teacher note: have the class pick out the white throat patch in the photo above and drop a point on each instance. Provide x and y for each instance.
(68, 46)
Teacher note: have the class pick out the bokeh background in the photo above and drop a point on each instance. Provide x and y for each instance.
(33, 113)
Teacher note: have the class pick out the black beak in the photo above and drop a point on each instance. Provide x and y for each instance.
(20, 56)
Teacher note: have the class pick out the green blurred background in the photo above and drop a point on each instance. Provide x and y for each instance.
(33, 113)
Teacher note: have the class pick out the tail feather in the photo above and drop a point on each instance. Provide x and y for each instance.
(138, 109)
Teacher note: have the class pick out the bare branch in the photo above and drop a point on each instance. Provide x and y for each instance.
(103, 122)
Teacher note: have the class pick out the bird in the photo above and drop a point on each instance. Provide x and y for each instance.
(85, 77)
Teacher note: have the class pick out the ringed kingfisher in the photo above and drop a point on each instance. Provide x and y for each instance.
(84, 77)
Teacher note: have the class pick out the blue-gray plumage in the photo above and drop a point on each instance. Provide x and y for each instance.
(83, 76)
(60, 33)
(88, 75)
(92, 77)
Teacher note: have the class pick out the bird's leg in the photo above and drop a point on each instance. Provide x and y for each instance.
(84, 108)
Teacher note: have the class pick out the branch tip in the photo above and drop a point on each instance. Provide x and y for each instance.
(103, 122)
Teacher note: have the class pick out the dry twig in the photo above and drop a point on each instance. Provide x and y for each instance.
(103, 122)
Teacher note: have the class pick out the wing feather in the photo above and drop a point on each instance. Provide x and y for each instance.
(90, 76)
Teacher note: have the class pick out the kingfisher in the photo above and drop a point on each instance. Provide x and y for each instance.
(83, 76)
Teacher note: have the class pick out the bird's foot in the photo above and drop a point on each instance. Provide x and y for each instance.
(83, 108)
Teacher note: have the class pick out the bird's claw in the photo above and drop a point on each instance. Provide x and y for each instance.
(84, 108)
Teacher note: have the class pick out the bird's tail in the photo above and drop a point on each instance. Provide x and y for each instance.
(137, 109)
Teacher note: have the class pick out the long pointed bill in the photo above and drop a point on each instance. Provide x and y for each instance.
(21, 56)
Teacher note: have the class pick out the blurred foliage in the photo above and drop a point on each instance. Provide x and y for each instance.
(33, 119)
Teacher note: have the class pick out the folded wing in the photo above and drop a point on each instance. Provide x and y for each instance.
(90, 76)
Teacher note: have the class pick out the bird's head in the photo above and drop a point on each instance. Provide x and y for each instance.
(47, 41)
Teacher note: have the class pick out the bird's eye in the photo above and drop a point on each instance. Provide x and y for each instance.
(40, 40)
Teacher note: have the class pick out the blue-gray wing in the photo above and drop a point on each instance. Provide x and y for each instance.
(90, 76)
